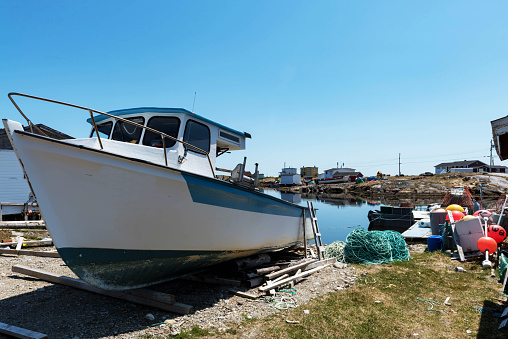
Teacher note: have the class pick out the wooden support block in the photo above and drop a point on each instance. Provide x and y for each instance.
(50, 254)
(265, 270)
(145, 297)
(287, 280)
(254, 261)
(244, 294)
(19, 332)
(289, 269)
(255, 281)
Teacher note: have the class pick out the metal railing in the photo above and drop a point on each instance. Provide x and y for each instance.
(91, 111)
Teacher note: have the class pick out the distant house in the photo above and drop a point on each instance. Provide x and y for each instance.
(468, 166)
(288, 176)
(334, 173)
(13, 186)
(309, 172)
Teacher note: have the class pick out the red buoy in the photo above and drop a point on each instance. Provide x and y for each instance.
(482, 213)
(496, 232)
(457, 215)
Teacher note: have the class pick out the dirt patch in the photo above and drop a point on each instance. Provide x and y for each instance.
(64, 312)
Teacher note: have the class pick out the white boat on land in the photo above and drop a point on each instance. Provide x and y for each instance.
(336, 180)
(138, 202)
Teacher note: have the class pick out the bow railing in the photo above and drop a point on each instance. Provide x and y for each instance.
(32, 126)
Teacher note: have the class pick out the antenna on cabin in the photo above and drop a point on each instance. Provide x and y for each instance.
(194, 101)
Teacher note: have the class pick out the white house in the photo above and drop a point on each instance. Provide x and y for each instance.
(288, 176)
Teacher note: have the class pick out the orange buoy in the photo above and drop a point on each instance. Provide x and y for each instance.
(487, 244)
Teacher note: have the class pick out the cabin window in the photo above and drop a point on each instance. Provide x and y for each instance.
(104, 130)
(123, 131)
(197, 134)
(167, 125)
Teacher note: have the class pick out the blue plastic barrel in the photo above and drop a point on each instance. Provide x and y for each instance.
(434, 243)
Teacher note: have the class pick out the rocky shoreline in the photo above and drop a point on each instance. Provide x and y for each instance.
(491, 185)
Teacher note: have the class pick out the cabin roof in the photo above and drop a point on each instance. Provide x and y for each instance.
(161, 110)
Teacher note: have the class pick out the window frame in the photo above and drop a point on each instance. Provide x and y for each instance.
(209, 137)
(141, 134)
(161, 116)
(98, 125)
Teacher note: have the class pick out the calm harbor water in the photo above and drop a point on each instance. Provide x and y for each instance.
(336, 217)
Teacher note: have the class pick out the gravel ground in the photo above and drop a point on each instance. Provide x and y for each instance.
(65, 312)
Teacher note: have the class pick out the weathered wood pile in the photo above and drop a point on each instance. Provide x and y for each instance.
(267, 271)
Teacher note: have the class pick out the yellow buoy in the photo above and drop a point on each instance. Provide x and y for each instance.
(468, 217)
(455, 207)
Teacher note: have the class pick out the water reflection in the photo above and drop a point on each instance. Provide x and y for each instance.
(295, 198)
(338, 215)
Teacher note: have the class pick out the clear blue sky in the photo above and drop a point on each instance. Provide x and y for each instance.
(314, 82)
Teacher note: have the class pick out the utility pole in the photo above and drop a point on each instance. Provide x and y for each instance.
(399, 164)
(491, 159)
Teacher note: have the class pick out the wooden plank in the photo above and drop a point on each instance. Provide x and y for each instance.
(287, 280)
(19, 332)
(244, 294)
(328, 261)
(145, 297)
(23, 224)
(457, 241)
(30, 242)
(19, 243)
(50, 254)
(289, 269)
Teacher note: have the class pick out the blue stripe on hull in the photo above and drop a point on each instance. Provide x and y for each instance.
(212, 192)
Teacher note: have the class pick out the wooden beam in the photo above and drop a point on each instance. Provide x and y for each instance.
(48, 242)
(244, 294)
(19, 332)
(23, 224)
(50, 254)
(322, 262)
(145, 297)
(275, 274)
(287, 280)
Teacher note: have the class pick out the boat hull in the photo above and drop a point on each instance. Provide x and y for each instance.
(122, 223)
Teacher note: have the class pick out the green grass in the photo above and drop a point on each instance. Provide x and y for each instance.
(354, 313)
(5, 234)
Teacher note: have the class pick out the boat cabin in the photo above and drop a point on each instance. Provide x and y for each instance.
(205, 135)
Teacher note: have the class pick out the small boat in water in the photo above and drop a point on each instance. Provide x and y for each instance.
(138, 202)
(391, 218)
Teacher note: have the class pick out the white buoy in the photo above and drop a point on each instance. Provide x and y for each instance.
(486, 263)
